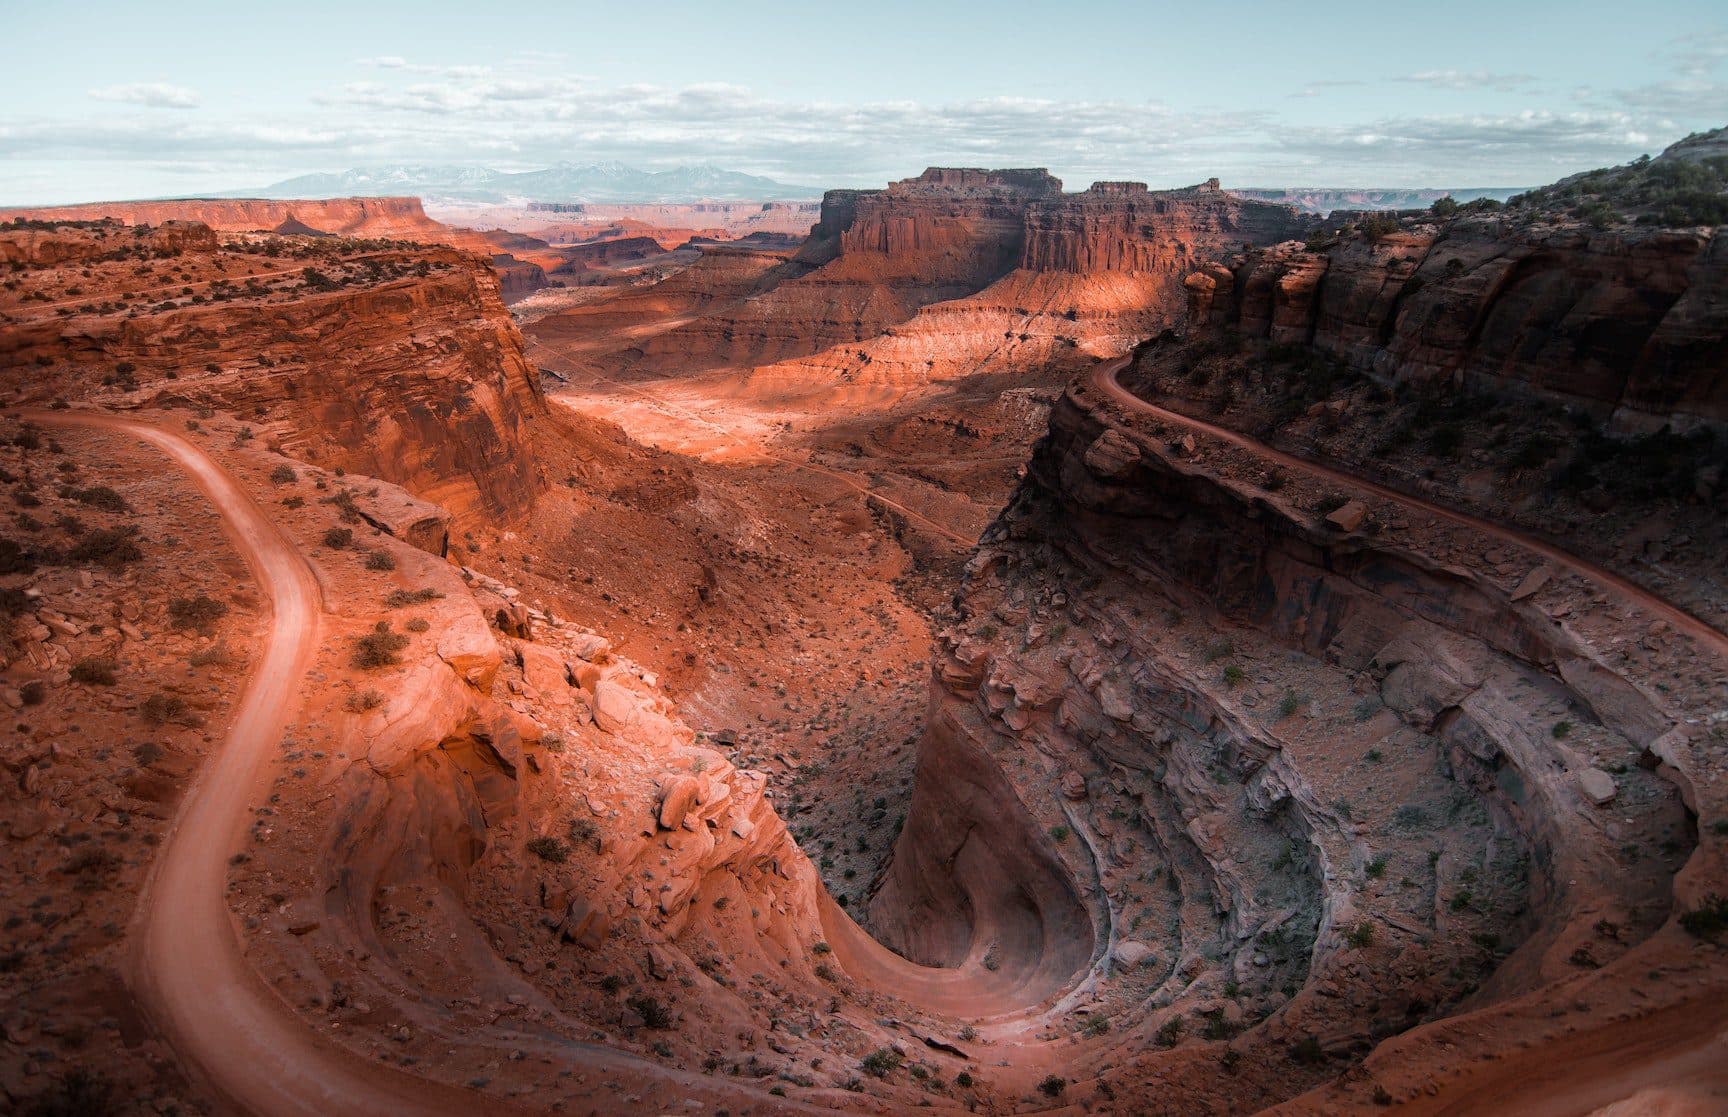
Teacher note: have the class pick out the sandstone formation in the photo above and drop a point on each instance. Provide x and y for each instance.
(398, 362)
(1627, 322)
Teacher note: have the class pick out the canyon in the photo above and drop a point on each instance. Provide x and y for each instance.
(1007, 650)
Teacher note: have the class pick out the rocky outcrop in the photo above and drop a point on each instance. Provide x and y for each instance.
(401, 218)
(1322, 741)
(1094, 272)
(1627, 323)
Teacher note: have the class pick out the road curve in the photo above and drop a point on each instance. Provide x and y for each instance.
(1105, 376)
(235, 1034)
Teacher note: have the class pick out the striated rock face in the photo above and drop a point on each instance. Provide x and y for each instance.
(1122, 226)
(1628, 322)
(1206, 742)
(949, 274)
(1093, 273)
(399, 363)
(352, 217)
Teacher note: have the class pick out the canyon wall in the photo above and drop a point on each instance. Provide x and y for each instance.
(350, 217)
(1248, 761)
(399, 363)
(1090, 274)
(1626, 322)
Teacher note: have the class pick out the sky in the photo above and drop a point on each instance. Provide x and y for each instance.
(103, 101)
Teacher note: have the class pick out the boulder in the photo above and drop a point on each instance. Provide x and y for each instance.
(585, 925)
(1598, 786)
(1112, 455)
(678, 796)
(1129, 953)
(1349, 517)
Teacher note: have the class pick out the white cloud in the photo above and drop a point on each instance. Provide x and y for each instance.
(156, 95)
(1470, 79)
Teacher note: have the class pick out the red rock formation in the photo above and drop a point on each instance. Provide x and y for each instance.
(1629, 321)
(354, 217)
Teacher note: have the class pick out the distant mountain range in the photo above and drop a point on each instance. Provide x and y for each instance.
(561, 182)
(1323, 200)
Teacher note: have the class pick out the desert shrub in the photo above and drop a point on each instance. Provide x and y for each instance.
(34, 692)
(1289, 704)
(94, 670)
(880, 1063)
(361, 701)
(378, 648)
(1708, 920)
(654, 1014)
(401, 599)
(1307, 1051)
(77, 1093)
(15, 558)
(161, 708)
(548, 848)
(102, 497)
(1561, 730)
(1096, 1025)
(1360, 935)
(1059, 833)
(418, 624)
(338, 537)
(284, 475)
(1169, 1032)
(380, 560)
(111, 547)
(1052, 1086)
(217, 655)
(1234, 676)
(200, 613)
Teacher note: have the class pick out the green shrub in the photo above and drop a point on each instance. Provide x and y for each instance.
(880, 1063)
(1234, 676)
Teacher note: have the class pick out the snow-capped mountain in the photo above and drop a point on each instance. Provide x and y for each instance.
(608, 181)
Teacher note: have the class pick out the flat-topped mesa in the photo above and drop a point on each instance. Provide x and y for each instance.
(358, 217)
(1030, 180)
(950, 225)
(1124, 227)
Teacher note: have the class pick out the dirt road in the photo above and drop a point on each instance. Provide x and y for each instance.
(235, 1033)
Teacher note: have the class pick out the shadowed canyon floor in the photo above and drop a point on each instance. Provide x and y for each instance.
(1116, 651)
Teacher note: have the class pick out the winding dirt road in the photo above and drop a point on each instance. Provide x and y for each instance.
(234, 1032)
(1105, 378)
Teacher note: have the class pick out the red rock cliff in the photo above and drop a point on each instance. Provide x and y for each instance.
(1628, 321)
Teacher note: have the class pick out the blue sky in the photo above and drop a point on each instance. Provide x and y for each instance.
(113, 100)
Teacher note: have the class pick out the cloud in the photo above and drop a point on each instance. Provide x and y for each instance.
(527, 118)
(1698, 55)
(1470, 79)
(397, 62)
(156, 95)
(1313, 88)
